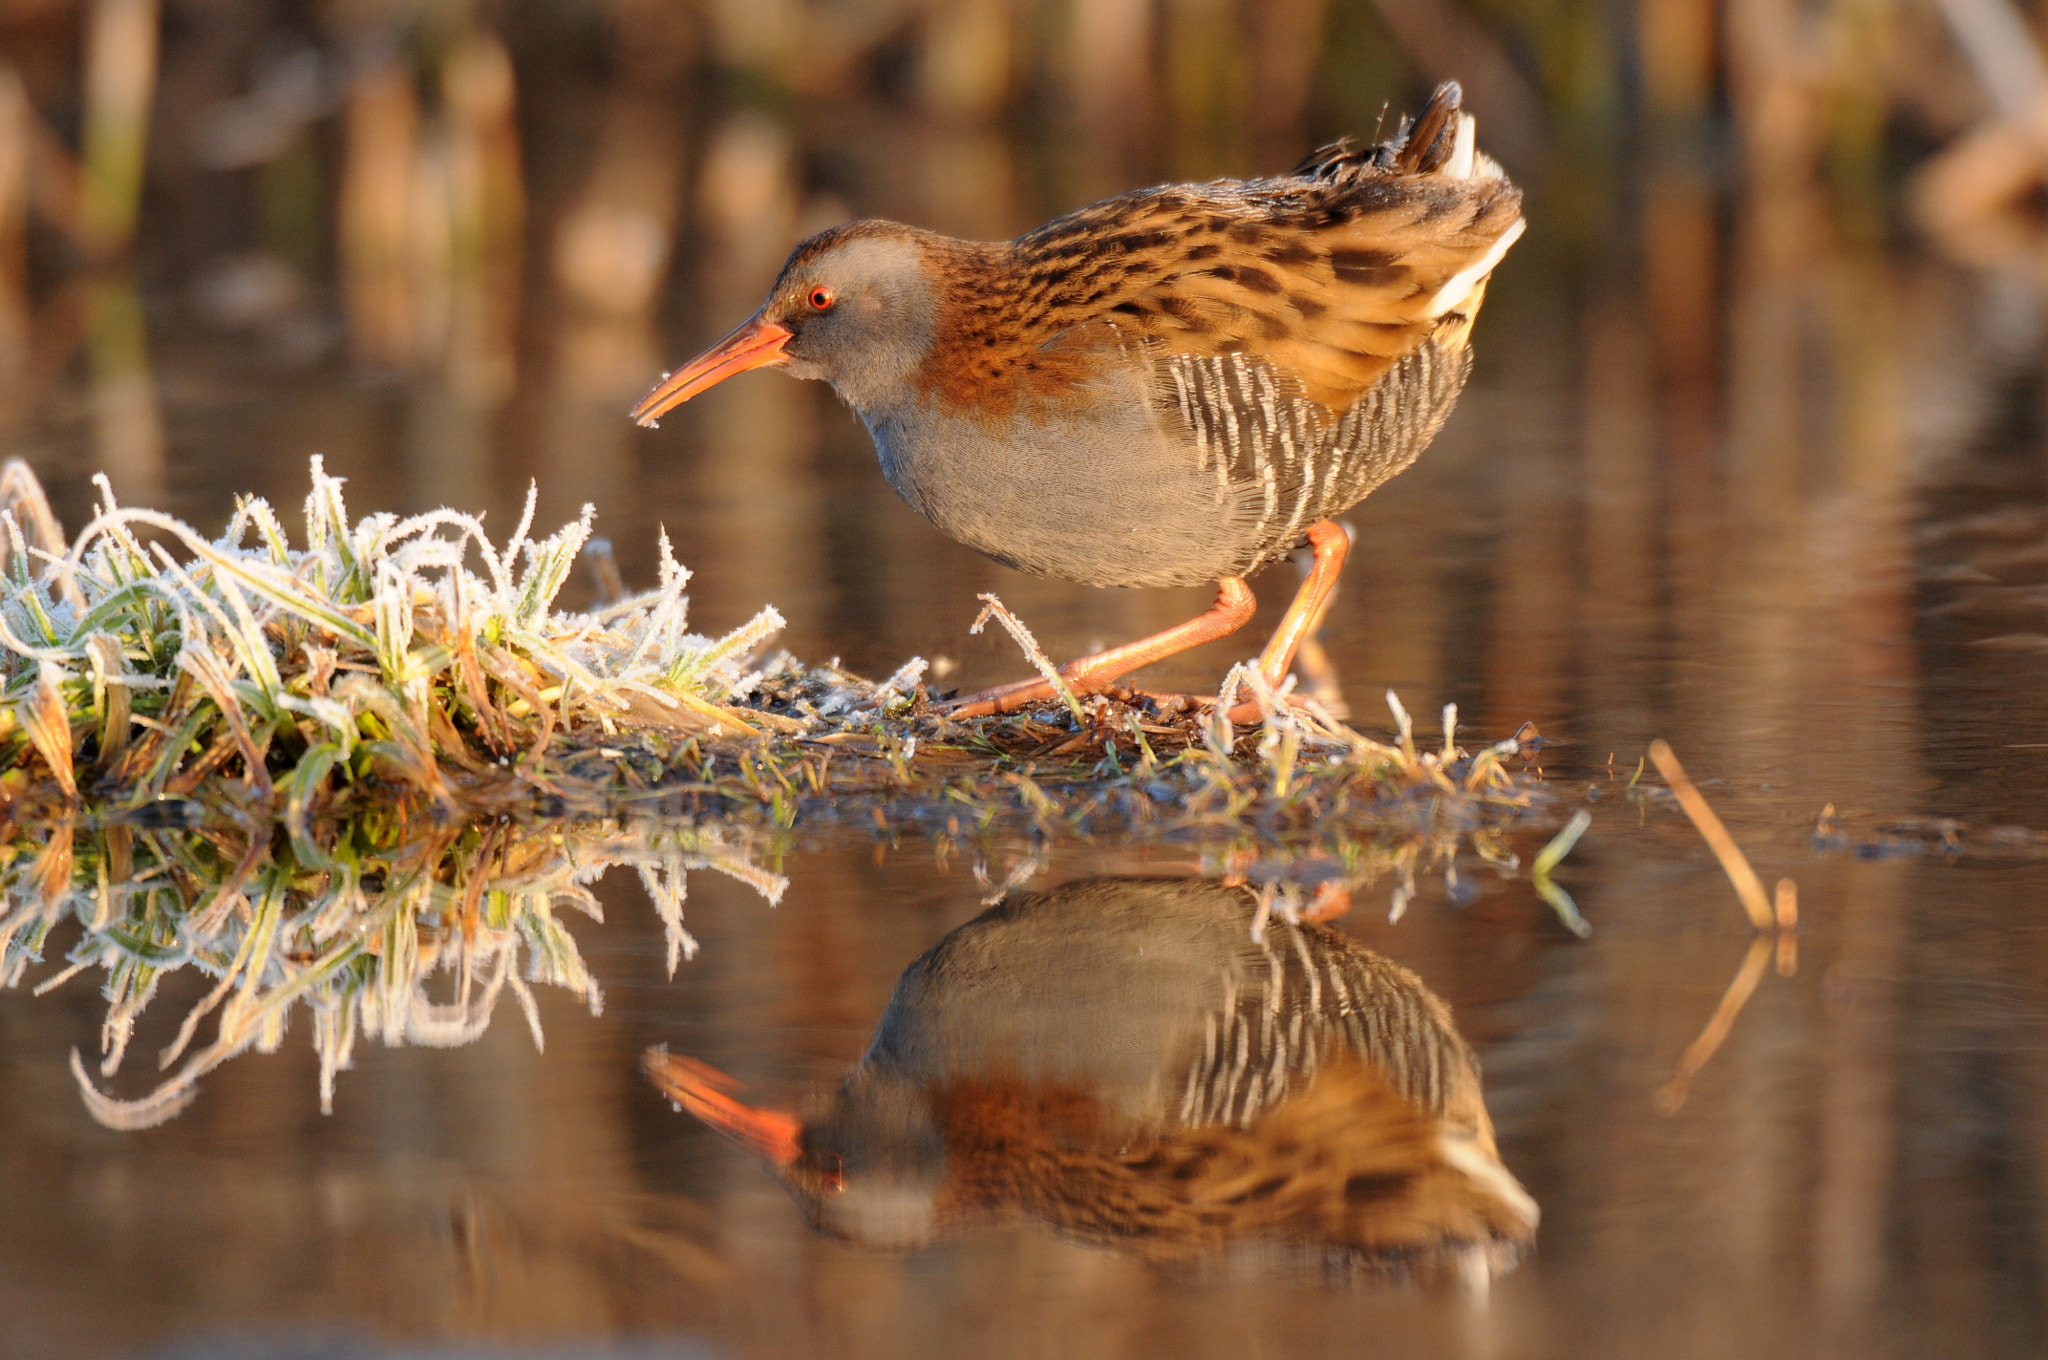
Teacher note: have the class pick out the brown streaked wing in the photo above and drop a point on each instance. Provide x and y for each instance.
(1331, 286)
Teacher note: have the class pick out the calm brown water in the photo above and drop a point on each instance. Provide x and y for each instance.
(1708, 484)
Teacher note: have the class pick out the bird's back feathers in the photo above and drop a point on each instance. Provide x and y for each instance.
(1330, 275)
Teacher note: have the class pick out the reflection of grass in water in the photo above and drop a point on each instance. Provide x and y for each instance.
(351, 918)
(348, 921)
(392, 928)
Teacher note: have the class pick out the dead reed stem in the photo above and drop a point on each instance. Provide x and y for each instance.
(1734, 863)
(1703, 1048)
(1775, 923)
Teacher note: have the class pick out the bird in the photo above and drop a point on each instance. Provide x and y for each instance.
(1125, 1062)
(1171, 387)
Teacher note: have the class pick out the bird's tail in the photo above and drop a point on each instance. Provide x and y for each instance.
(1432, 139)
(1444, 139)
(1441, 140)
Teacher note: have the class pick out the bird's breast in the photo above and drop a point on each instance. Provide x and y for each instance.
(1091, 486)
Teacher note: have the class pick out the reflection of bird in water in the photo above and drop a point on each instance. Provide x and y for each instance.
(1167, 388)
(1118, 1059)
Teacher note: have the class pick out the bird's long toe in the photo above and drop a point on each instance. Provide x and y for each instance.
(1022, 694)
(1247, 711)
(1002, 699)
(1018, 694)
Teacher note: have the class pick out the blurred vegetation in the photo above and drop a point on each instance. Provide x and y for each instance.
(437, 187)
(395, 138)
(516, 201)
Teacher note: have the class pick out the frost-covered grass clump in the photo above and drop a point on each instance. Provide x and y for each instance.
(143, 659)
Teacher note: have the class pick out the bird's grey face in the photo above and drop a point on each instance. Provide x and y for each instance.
(885, 1210)
(872, 1168)
(866, 1163)
(853, 306)
(859, 314)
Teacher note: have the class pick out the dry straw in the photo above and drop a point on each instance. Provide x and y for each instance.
(1774, 921)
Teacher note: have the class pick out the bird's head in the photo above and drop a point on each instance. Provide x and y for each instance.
(867, 1165)
(853, 306)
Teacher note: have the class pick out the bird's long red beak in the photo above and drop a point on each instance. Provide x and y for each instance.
(756, 344)
(703, 1090)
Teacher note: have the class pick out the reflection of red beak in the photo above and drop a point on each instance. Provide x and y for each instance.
(702, 1090)
(756, 344)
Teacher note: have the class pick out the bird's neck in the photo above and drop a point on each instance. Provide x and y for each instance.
(888, 382)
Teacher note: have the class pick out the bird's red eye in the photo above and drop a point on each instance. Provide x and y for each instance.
(821, 299)
(835, 1184)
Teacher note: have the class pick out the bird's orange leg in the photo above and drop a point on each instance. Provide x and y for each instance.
(1328, 541)
(1092, 674)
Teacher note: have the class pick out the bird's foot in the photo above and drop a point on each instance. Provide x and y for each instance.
(1331, 901)
(1082, 681)
(1247, 711)
(1023, 694)
(1095, 674)
(1010, 698)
